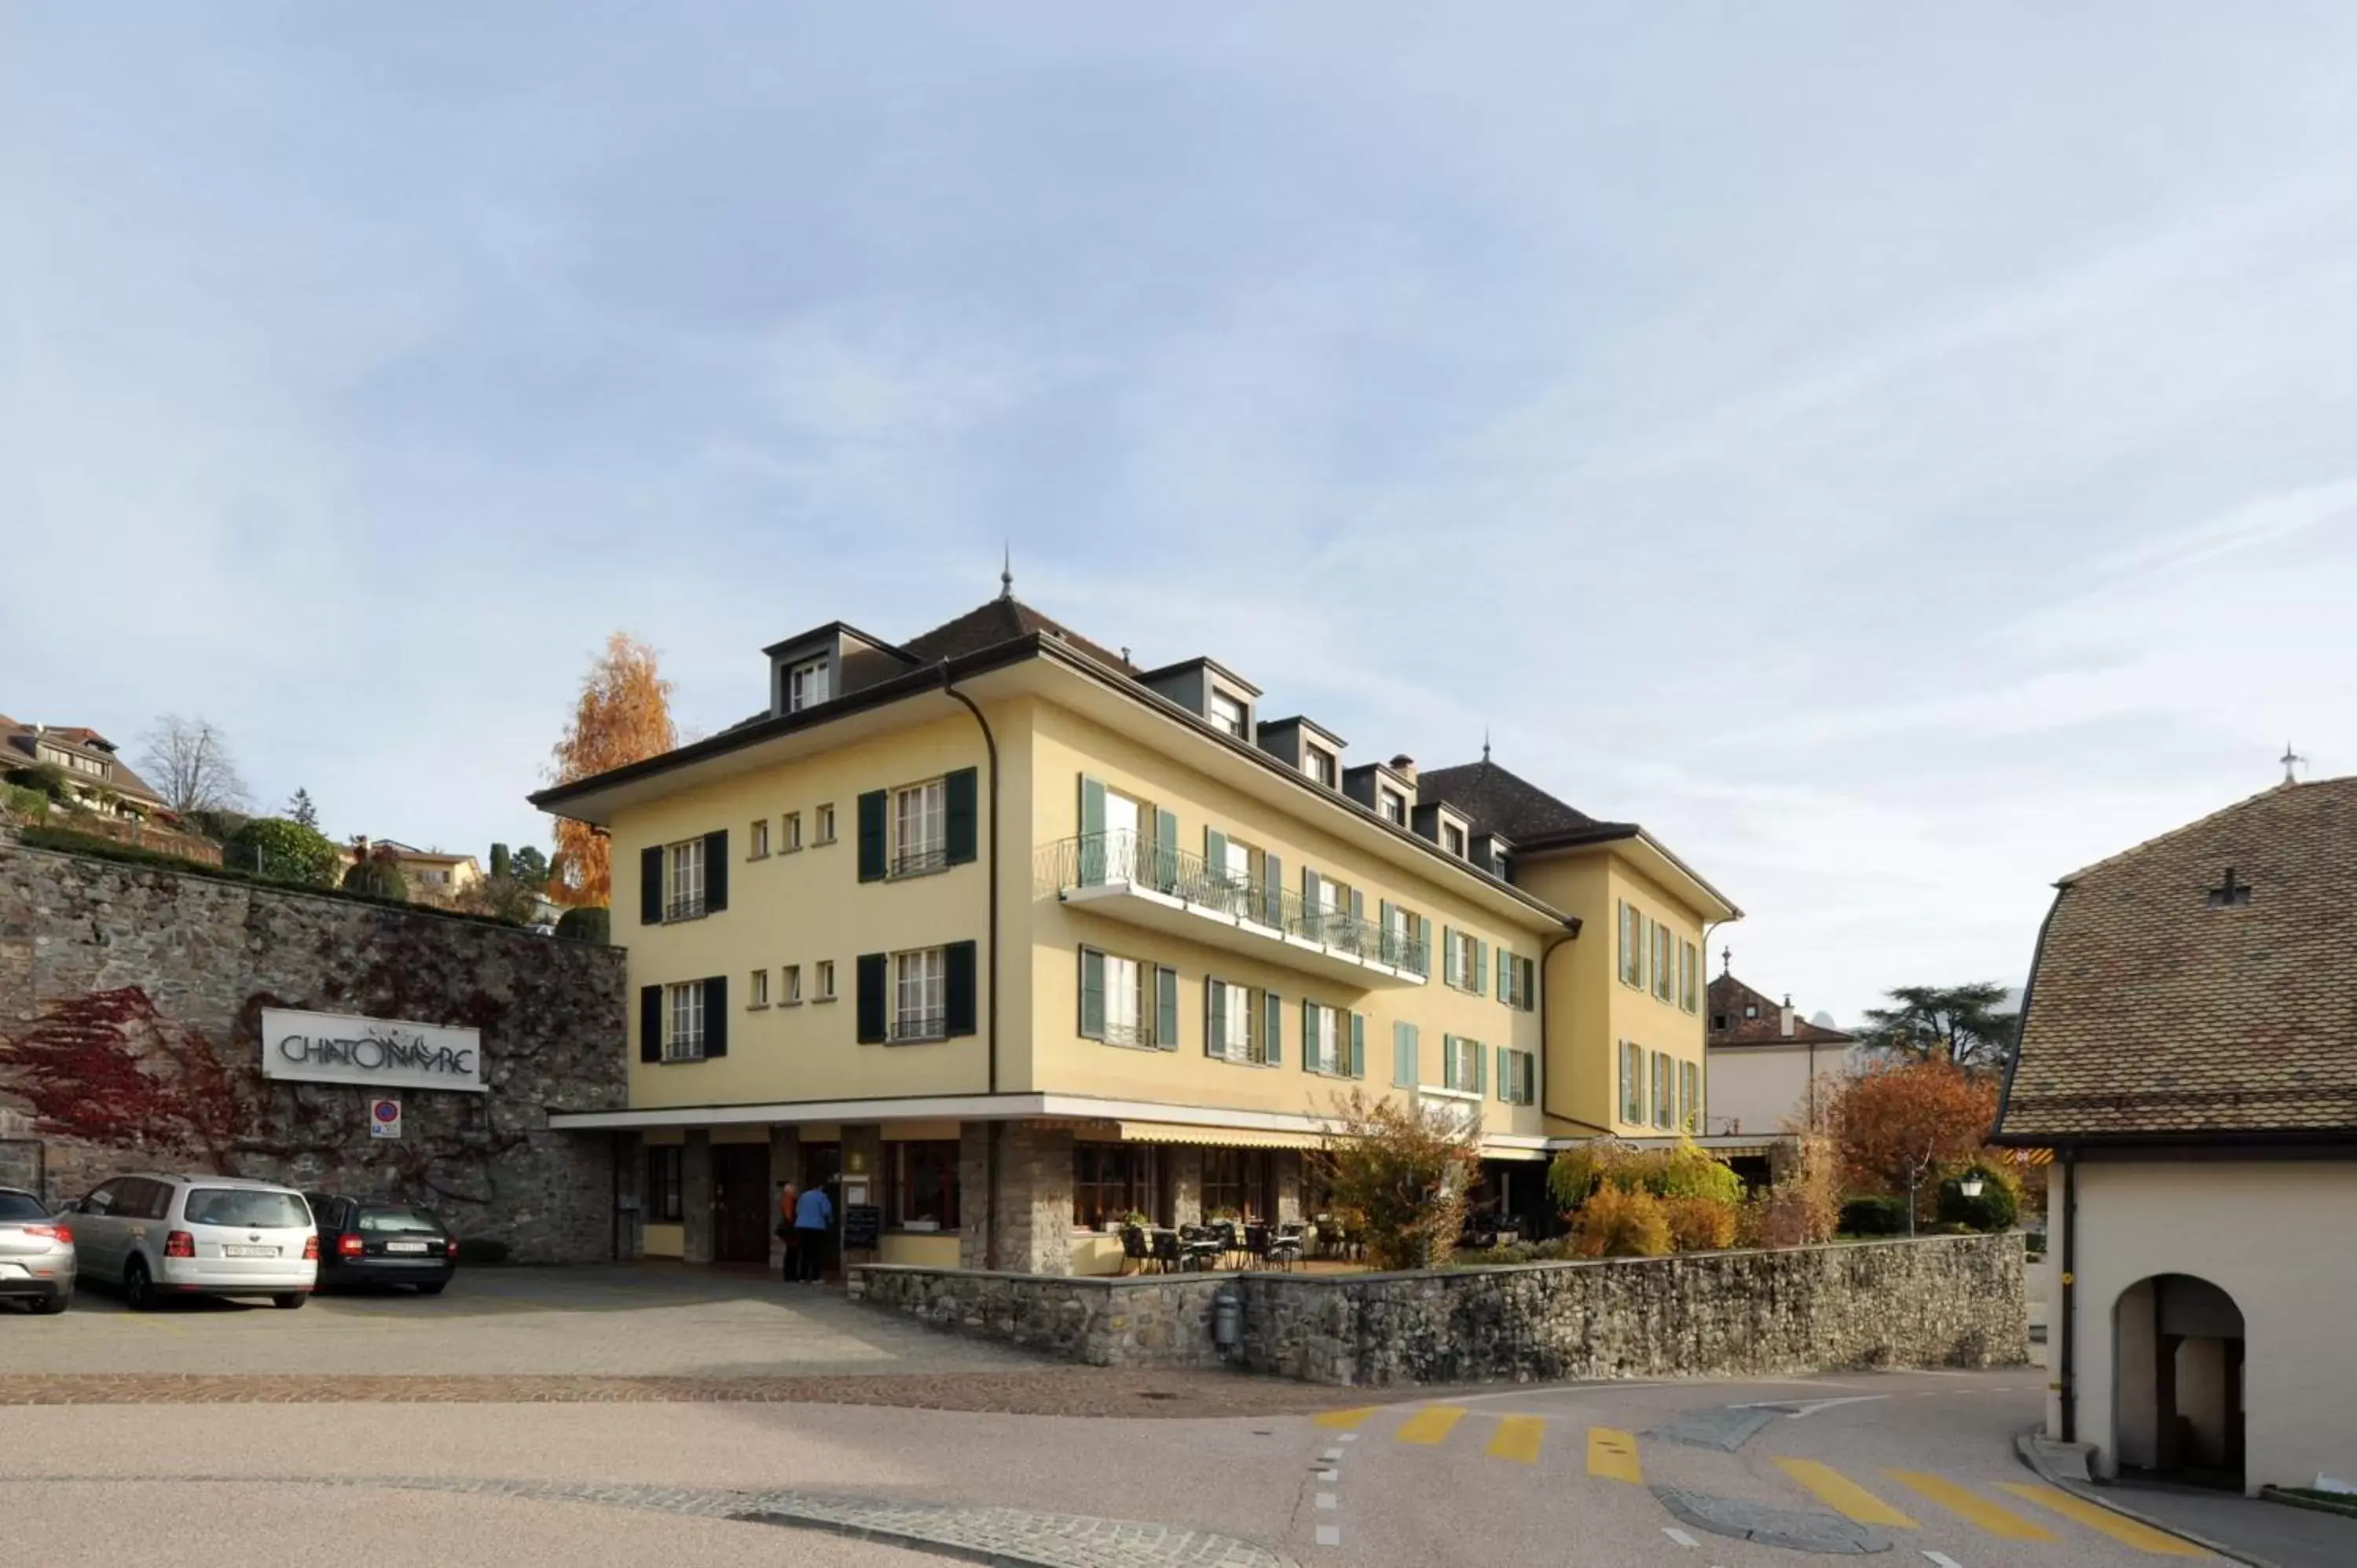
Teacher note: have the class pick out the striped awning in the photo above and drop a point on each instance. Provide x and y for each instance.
(1213, 1137)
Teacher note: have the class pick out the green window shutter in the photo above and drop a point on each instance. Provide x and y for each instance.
(1310, 1058)
(1092, 845)
(871, 836)
(1272, 1027)
(716, 871)
(1627, 945)
(1505, 1075)
(1215, 859)
(650, 891)
(1449, 1061)
(1093, 997)
(1165, 874)
(1092, 793)
(1419, 931)
(1215, 1017)
(651, 1021)
(716, 1017)
(1404, 1063)
(961, 814)
(1505, 975)
(958, 988)
(1358, 906)
(1165, 1009)
(1272, 877)
(870, 1004)
(1480, 1084)
(1480, 965)
(1358, 1045)
(1389, 948)
(1448, 965)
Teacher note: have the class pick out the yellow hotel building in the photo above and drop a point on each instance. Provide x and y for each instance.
(1012, 938)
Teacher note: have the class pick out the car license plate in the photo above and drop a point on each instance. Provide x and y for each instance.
(405, 1246)
(13, 1271)
(249, 1252)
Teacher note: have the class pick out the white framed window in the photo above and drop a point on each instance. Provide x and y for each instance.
(1690, 1097)
(684, 1022)
(806, 685)
(822, 981)
(920, 829)
(757, 994)
(756, 842)
(790, 833)
(1664, 962)
(1689, 977)
(1518, 1076)
(1632, 964)
(1665, 1090)
(921, 994)
(1325, 1039)
(1124, 1002)
(1230, 715)
(1460, 1063)
(1232, 1028)
(1391, 806)
(789, 985)
(1319, 763)
(1632, 1082)
(1452, 839)
(683, 880)
(823, 825)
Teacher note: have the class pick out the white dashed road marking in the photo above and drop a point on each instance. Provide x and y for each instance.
(1329, 1535)
(1326, 1500)
(1680, 1536)
(1942, 1559)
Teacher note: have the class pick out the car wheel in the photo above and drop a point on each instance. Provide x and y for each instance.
(436, 1288)
(139, 1290)
(289, 1300)
(50, 1305)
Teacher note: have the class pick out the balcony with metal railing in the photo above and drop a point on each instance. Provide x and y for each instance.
(1129, 876)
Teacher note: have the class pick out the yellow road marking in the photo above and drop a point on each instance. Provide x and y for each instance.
(1843, 1496)
(1613, 1456)
(2095, 1516)
(1518, 1439)
(1431, 1423)
(1972, 1505)
(1345, 1419)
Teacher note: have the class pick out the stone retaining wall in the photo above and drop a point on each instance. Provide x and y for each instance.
(131, 1000)
(1937, 1302)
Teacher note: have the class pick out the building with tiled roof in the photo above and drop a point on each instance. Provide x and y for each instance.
(1771, 1069)
(2188, 1050)
(99, 779)
(1013, 934)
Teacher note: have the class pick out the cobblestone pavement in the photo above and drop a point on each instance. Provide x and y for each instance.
(1072, 1390)
(980, 1534)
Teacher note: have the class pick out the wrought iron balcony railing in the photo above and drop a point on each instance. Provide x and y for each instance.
(1122, 857)
(683, 909)
(909, 1027)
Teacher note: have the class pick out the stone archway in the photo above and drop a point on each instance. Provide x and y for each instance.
(2177, 1387)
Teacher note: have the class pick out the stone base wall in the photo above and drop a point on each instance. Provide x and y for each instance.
(1937, 1302)
(130, 1004)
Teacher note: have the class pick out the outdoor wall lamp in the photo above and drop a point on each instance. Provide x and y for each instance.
(1970, 1187)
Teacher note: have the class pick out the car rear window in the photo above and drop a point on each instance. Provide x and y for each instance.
(243, 1206)
(21, 1205)
(398, 1219)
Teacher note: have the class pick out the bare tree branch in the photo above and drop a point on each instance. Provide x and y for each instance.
(187, 762)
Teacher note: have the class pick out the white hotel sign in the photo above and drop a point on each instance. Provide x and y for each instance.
(382, 1053)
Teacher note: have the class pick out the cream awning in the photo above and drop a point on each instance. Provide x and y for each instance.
(1219, 1137)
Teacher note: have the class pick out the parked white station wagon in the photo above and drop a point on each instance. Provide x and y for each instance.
(197, 1235)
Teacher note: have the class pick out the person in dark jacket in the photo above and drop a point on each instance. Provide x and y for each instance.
(814, 1217)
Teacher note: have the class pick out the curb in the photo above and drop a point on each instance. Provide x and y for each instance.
(2030, 1445)
(2278, 1494)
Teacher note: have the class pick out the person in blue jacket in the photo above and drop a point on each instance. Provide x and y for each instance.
(813, 1218)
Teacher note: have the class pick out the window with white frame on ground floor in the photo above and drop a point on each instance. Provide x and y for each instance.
(919, 828)
(662, 1206)
(922, 1185)
(789, 984)
(683, 879)
(1124, 1002)
(1112, 1181)
(1233, 1022)
(756, 840)
(822, 981)
(757, 993)
(683, 1022)
(1665, 1090)
(921, 994)
(1632, 1082)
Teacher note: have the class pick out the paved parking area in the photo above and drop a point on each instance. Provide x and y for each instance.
(647, 1321)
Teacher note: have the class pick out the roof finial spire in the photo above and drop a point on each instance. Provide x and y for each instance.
(2291, 761)
(1007, 572)
(1727, 961)
(1485, 743)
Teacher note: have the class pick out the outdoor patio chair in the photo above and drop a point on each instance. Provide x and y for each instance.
(1227, 1237)
(1256, 1237)
(1197, 1246)
(1166, 1251)
(1284, 1245)
(1134, 1248)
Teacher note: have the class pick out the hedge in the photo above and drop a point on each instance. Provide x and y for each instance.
(1874, 1215)
(590, 923)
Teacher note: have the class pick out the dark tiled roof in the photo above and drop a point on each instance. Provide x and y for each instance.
(19, 748)
(1003, 620)
(1494, 798)
(2158, 1007)
(1729, 999)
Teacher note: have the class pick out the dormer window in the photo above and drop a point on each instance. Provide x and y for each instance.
(1229, 715)
(1452, 839)
(806, 685)
(1320, 765)
(1393, 806)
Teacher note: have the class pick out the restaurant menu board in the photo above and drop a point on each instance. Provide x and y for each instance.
(863, 1226)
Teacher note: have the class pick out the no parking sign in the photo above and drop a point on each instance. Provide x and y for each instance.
(384, 1118)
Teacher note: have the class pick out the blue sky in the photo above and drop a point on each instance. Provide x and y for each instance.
(1897, 455)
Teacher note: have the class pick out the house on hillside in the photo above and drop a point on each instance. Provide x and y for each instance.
(1770, 1068)
(2188, 1051)
(97, 778)
(430, 875)
(1011, 936)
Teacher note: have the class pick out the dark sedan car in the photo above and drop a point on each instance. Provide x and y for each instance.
(367, 1240)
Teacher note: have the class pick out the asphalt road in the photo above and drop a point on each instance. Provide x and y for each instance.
(1570, 1476)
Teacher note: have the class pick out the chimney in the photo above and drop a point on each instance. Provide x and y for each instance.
(1404, 766)
(1788, 1015)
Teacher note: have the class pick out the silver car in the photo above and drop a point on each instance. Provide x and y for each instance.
(155, 1236)
(36, 1252)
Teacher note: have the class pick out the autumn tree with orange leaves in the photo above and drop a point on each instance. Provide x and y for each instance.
(623, 716)
(1899, 1123)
